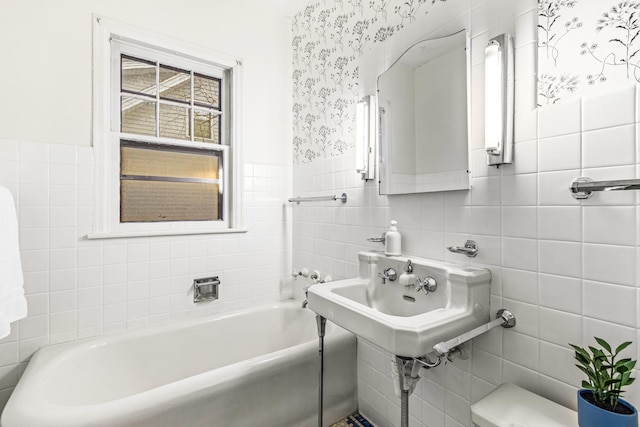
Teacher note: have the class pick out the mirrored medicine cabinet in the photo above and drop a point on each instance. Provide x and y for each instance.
(422, 107)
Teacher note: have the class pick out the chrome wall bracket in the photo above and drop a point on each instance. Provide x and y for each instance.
(378, 239)
(508, 319)
(577, 190)
(470, 249)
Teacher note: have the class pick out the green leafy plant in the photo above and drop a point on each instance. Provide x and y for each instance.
(606, 375)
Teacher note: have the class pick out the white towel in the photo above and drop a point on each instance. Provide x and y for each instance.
(13, 305)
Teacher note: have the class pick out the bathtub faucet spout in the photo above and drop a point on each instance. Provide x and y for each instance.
(306, 295)
(315, 276)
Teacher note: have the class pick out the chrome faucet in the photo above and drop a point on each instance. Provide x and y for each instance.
(315, 276)
(306, 295)
(427, 285)
(388, 274)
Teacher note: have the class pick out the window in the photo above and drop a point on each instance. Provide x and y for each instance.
(166, 135)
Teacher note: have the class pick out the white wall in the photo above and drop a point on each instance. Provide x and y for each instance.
(47, 50)
(567, 269)
(77, 288)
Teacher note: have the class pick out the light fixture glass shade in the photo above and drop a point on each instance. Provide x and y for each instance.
(493, 99)
(366, 137)
(499, 87)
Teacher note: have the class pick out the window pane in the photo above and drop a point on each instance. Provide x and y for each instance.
(174, 122)
(206, 91)
(206, 127)
(175, 84)
(158, 201)
(138, 76)
(156, 162)
(165, 183)
(138, 116)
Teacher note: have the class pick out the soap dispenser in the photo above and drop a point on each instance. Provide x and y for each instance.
(393, 240)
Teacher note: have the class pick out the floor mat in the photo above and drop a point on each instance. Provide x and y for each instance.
(355, 420)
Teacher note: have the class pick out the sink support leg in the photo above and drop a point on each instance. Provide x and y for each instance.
(404, 408)
(406, 377)
(321, 323)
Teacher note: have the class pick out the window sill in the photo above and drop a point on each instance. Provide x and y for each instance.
(125, 234)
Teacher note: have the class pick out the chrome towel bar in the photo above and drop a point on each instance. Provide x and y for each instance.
(342, 198)
(504, 318)
(583, 187)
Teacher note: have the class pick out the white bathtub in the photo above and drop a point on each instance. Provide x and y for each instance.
(256, 367)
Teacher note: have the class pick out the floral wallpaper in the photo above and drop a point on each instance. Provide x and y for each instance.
(328, 38)
(586, 45)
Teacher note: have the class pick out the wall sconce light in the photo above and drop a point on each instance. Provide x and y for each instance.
(366, 137)
(498, 100)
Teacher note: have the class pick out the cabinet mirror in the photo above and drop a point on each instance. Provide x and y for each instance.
(423, 105)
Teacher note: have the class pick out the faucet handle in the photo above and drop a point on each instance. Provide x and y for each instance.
(304, 273)
(427, 285)
(388, 274)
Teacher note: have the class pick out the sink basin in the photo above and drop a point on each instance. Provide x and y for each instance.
(398, 318)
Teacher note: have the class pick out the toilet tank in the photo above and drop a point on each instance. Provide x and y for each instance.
(513, 406)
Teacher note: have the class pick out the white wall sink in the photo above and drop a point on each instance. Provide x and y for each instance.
(384, 313)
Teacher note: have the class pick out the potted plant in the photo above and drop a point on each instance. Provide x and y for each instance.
(599, 402)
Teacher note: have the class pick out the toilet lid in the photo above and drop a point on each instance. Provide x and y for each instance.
(512, 406)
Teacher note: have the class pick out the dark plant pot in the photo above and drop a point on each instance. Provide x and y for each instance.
(590, 415)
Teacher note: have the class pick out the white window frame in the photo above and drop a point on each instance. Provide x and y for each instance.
(106, 139)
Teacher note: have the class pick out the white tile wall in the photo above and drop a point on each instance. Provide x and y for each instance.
(78, 288)
(569, 269)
